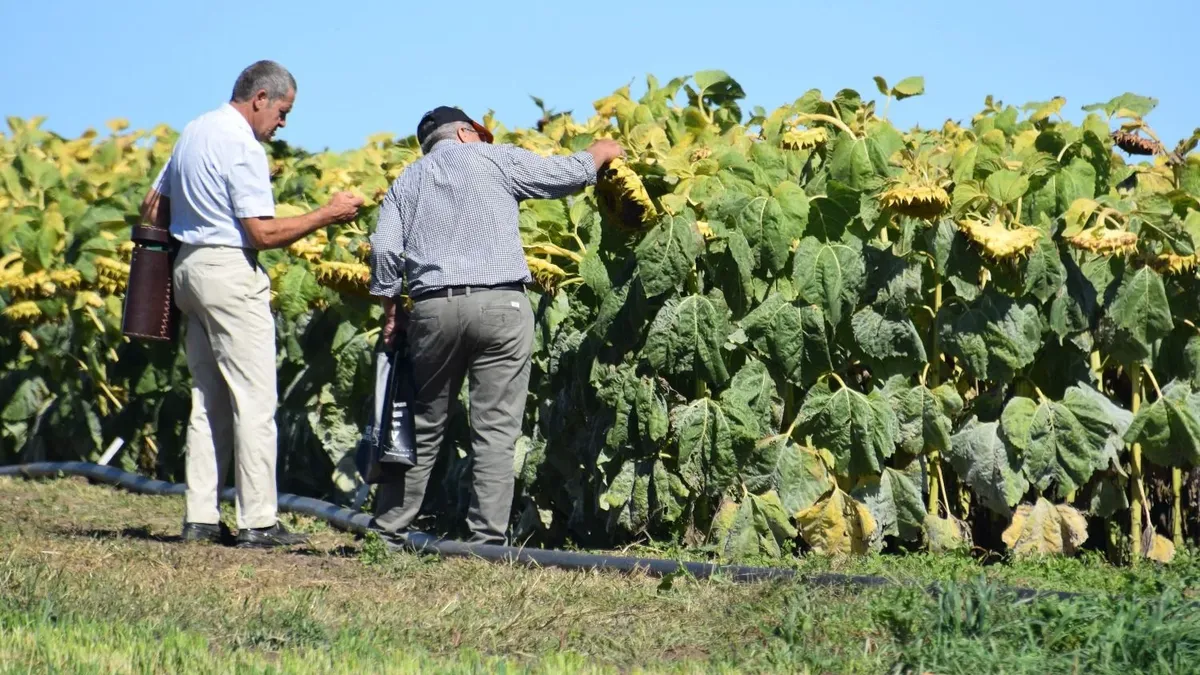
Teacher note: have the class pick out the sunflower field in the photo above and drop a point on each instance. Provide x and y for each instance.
(761, 333)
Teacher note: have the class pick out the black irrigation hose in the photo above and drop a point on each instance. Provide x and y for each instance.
(359, 523)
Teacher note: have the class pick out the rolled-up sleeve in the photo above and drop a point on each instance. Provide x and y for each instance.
(387, 249)
(532, 176)
(250, 185)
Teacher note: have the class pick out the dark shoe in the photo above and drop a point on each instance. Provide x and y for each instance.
(214, 534)
(394, 541)
(269, 537)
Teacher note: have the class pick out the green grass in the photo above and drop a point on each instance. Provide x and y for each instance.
(1087, 573)
(92, 581)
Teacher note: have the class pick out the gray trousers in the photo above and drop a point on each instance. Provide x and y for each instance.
(488, 336)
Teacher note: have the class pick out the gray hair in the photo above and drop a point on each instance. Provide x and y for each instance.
(445, 132)
(268, 75)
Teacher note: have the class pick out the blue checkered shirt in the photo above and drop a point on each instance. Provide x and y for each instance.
(450, 219)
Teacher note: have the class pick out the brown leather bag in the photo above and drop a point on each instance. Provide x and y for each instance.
(150, 312)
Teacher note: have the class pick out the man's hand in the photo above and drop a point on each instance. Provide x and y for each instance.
(605, 150)
(395, 323)
(270, 232)
(343, 207)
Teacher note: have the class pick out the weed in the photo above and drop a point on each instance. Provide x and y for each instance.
(374, 549)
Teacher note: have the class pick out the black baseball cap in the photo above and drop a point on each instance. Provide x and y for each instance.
(445, 115)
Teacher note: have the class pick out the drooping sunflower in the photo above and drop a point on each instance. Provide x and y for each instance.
(69, 279)
(804, 139)
(310, 248)
(623, 199)
(35, 285)
(1134, 143)
(918, 199)
(546, 274)
(999, 241)
(1171, 263)
(1104, 240)
(348, 278)
(26, 311)
(920, 190)
(112, 275)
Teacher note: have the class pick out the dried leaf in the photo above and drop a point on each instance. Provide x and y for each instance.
(1045, 527)
(946, 534)
(838, 524)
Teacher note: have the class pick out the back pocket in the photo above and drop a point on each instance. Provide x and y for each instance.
(501, 315)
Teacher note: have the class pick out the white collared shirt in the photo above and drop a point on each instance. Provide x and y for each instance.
(217, 174)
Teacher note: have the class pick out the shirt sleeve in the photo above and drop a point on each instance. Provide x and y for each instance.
(250, 185)
(162, 184)
(531, 176)
(387, 248)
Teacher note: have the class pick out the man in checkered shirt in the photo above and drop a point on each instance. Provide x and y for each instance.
(448, 230)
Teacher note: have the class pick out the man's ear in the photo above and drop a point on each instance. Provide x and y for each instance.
(259, 102)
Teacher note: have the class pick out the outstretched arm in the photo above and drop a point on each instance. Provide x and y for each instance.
(270, 232)
(249, 182)
(532, 176)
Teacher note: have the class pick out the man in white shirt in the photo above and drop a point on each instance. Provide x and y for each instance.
(215, 193)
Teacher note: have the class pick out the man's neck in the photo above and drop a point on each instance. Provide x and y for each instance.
(243, 108)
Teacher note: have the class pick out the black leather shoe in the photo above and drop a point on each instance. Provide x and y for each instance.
(215, 534)
(269, 537)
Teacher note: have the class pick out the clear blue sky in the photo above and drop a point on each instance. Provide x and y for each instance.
(371, 66)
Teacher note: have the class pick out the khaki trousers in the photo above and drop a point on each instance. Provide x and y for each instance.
(230, 347)
(488, 336)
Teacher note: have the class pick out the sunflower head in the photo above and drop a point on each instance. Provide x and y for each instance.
(26, 311)
(997, 240)
(347, 278)
(1170, 263)
(1134, 143)
(1105, 241)
(623, 199)
(546, 274)
(924, 200)
(67, 278)
(804, 139)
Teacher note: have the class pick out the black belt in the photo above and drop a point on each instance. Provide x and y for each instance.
(449, 291)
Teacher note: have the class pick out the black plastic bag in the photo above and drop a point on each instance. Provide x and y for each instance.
(388, 446)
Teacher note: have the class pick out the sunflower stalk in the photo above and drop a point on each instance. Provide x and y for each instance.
(1137, 494)
(1176, 477)
(935, 376)
(1177, 506)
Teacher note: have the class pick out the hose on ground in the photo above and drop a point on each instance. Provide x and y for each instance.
(358, 522)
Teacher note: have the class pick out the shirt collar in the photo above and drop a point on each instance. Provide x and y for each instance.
(443, 144)
(228, 109)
